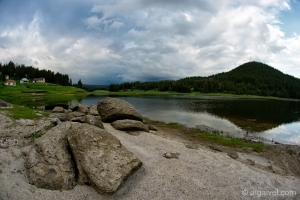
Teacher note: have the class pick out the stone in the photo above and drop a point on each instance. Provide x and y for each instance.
(129, 125)
(93, 110)
(192, 146)
(94, 120)
(134, 133)
(49, 164)
(233, 155)
(249, 162)
(112, 109)
(171, 155)
(216, 148)
(4, 104)
(152, 127)
(73, 108)
(82, 108)
(58, 109)
(102, 161)
(81, 119)
(61, 116)
(75, 114)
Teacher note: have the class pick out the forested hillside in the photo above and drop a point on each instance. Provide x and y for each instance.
(253, 78)
(17, 71)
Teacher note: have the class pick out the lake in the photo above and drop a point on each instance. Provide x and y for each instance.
(263, 119)
(258, 119)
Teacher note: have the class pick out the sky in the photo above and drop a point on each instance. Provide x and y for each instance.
(114, 41)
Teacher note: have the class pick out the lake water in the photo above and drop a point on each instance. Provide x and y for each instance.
(276, 120)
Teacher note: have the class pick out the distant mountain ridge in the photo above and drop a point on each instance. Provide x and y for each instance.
(252, 78)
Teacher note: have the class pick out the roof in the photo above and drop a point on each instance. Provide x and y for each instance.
(37, 79)
(9, 81)
(24, 79)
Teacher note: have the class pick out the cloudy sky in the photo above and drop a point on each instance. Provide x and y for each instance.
(112, 41)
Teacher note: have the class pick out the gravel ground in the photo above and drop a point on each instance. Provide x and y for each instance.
(197, 174)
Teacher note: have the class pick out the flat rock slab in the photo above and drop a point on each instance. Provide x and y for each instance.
(128, 124)
(49, 164)
(112, 109)
(101, 159)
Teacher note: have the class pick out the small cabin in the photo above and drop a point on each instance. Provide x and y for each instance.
(39, 80)
(10, 83)
(24, 80)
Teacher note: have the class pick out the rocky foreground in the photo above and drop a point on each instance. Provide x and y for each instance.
(84, 155)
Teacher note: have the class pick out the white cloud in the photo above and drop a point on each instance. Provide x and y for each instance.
(124, 40)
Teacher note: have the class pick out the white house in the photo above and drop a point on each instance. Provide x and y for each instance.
(24, 80)
(10, 82)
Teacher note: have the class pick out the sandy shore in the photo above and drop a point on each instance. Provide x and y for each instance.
(197, 173)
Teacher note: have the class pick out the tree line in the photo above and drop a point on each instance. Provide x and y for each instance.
(18, 71)
(252, 78)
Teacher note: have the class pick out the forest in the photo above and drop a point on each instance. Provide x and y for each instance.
(252, 78)
(17, 71)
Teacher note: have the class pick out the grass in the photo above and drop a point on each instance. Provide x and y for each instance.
(201, 135)
(23, 93)
(22, 112)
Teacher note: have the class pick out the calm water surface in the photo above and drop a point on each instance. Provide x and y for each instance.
(276, 120)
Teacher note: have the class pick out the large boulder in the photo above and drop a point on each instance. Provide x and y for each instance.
(49, 164)
(129, 125)
(112, 109)
(101, 159)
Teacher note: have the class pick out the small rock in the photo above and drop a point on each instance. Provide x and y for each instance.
(171, 155)
(152, 127)
(94, 120)
(192, 146)
(74, 115)
(81, 119)
(93, 110)
(233, 155)
(82, 108)
(135, 133)
(61, 116)
(58, 109)
(216, 148)
(250, 162)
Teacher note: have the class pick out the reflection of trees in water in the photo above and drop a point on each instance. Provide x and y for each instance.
(256, 115)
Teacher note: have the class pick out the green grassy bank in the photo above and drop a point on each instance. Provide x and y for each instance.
(197, 134)
(35, 92)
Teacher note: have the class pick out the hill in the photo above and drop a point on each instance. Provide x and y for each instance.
(252, 78)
